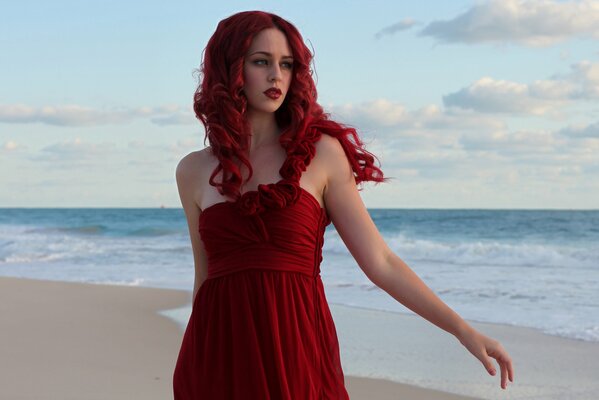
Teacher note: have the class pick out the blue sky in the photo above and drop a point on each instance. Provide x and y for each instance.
(486, 104)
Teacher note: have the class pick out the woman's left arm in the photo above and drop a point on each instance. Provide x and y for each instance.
(386, 269)
(397, 279)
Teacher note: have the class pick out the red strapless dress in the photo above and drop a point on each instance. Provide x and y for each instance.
(260, 326)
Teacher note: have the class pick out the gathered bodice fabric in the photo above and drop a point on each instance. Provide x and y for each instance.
(260, 326)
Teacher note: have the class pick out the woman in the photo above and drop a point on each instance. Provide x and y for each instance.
(257, 202)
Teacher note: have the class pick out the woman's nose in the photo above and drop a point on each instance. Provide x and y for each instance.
(275, 72)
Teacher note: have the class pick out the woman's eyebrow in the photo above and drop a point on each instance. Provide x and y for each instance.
(268, 54)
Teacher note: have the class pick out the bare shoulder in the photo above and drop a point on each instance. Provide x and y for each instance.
(190, 163)
(190, 172)
(332, 159)
(327, 143)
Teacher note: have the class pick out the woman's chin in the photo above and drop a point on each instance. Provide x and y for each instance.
(264, 110)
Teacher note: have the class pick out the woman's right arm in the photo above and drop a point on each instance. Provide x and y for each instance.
(188, 176)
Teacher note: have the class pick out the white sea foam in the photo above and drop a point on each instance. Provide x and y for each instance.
(545, 277)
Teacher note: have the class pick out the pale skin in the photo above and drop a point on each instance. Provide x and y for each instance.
(329, 178)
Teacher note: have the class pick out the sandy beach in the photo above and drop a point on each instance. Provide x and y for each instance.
(63, 340)
(85, 341)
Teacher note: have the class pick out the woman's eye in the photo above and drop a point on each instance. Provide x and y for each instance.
(289, 64)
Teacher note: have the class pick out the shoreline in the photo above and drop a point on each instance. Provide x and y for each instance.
(96, 341)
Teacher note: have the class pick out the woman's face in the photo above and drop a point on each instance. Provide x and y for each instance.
(268, 63)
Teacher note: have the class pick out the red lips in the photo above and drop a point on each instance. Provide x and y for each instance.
(273, 93)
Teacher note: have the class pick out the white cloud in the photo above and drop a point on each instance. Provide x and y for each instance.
(419, 144)
(494, 160)
(380, 112)
(488, 95)
(383, 116)
(136, 144)
(581, 131)
(77, 151)
(528, 22)
(540, 97)
(512, 143)
(175, 118)
(402, 25)
(76, 115)
(184, 146)
(586, 75)
(551, 89)
(10, 146)
(104, 156)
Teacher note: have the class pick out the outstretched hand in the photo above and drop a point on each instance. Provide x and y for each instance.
(483, 348)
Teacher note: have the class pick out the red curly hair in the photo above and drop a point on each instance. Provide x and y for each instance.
(220, 104)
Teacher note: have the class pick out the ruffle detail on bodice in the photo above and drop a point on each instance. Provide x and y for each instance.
(287, 191)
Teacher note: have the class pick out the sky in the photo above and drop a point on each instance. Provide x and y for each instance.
(466, 104)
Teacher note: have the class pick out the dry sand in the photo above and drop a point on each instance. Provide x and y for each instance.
(63, 341)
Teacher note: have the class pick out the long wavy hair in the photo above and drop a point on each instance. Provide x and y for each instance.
(220, 104)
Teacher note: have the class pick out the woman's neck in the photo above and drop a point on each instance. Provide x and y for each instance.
(264, 131)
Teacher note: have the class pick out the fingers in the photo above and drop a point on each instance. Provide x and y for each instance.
(488, 363)
(503, 375)
(510, 370)
(507, 369)
(492, 349)
(505, 365)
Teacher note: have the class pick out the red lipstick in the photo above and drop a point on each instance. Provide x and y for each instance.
(273, 93)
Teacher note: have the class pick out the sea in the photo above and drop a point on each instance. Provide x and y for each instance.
(528, 268)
